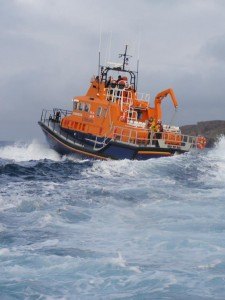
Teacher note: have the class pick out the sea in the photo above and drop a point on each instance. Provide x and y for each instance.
(90, 229)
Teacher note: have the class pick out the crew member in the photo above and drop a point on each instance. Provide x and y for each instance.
(57, 116)
(151, 126)
(122, 82)
(118, 79)
(109, 81)
(159, 129)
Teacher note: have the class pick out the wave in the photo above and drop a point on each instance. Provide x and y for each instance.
(207, 166)
(35, 150)
(194, 171)
(218, 150)
(141, 229)
(20, 152)
(214, 164)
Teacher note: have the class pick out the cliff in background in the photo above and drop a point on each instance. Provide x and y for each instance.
(209, 129)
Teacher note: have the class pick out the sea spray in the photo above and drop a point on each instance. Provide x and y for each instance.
(27, 151)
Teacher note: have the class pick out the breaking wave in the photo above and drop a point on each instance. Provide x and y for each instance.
(27, 151)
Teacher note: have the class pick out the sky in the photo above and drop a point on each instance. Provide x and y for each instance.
(49, 51)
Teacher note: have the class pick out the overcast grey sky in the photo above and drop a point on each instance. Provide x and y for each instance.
(49, 51)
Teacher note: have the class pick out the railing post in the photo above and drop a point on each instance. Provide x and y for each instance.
(129, 135)
(151, 137)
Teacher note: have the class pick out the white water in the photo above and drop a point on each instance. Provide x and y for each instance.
(28, 151)
(73, 229)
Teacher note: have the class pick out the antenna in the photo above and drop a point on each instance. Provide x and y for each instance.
(137, 73)
(99, 46)
(99, 53)
(108, 47)
(110, 43)
(125, 57)
(138, 56)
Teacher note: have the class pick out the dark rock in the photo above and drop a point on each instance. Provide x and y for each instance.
(211, 130)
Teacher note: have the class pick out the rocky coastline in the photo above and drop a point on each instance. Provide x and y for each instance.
(212, 130)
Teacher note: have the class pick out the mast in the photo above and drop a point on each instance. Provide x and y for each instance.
(125, 58)
(137, 72)
(99, 55)
(99, 66)
(138, 57)
(120, 68)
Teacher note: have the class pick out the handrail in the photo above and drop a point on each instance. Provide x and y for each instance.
(121, 95)
(106, 137)
(63, 112)
(143, 96)
(151, 138)
(54, 124)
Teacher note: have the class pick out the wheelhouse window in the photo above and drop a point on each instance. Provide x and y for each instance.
(80, 106)
(99, 111)
(87, 107)
(75, 104)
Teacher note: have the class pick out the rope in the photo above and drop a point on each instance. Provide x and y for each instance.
(173, 117)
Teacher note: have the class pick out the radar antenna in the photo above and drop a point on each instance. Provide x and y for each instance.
(125, 57)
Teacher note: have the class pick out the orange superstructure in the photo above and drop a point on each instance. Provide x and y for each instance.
(103, 106)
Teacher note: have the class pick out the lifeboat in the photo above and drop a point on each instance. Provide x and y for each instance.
(113, 121)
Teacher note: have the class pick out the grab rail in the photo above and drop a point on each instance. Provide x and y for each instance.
(47, 114)
(143, 137)
(48, 117)
(143, 96)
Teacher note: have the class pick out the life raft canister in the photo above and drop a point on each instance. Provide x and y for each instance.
(201, 142)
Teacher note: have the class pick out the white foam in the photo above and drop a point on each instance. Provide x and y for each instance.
(219, 150)
(48, 243)
(74, 159)
(121, 262)
(4, 252)
(211, 265)
(124, 167)
(26, 152)
(4, 205)
(216, 159)
(45, 220)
